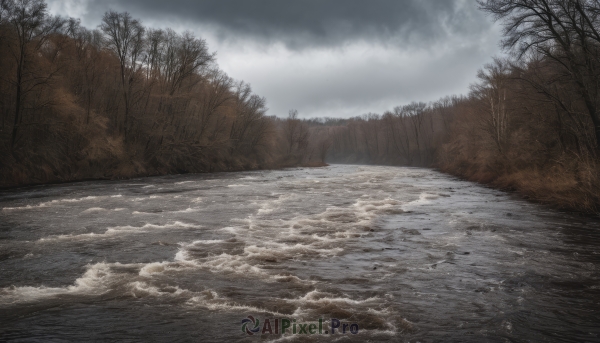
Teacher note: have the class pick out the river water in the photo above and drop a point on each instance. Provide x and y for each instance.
(406, 254)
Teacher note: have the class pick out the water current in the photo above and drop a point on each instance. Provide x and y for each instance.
(406, 254)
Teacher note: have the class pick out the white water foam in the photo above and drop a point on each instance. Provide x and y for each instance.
(117, 230)
(101, 209)
(51, 203)
(95, 281)
(184, 182)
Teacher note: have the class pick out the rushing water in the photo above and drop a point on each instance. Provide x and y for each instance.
(407, 254)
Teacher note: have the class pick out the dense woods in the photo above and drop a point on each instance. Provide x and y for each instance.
(125, 100)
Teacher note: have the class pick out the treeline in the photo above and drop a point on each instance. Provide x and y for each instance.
(531, 123)
(408, 135)
(125, 100)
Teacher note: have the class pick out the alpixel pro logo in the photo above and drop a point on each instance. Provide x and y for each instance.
(254, 323)
(281, 326)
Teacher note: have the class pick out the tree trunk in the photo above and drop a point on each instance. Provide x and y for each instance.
(19, 94)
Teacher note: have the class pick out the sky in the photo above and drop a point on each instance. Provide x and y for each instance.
(327, 58)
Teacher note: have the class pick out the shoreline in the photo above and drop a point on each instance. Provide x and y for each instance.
(140, 176)
(571, 200)
(503, 183)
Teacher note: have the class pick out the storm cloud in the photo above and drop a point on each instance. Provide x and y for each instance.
(328, 57)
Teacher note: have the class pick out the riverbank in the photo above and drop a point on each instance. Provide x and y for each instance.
(558, 187)
(50, 179)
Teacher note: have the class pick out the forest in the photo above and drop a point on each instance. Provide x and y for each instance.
(124, 100)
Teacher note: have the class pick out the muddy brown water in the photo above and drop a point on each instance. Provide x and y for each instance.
(407, 254)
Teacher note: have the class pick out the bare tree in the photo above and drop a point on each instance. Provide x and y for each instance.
(249, 109)
(153, 58)
(125, 38)
(215, 94)
(291, 130)
(491, 91)
(32, 26)
(86, 45)
(565, 31)
(191, 55)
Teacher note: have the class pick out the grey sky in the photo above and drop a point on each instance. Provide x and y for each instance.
(336, 58)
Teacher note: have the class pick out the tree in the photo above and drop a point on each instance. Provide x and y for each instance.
(154, 54)
(292, 128)
(32, 26)
(125, 38)
(491, 92)
(249, 113)
(564, 31)
(86, 74)
(190, 56)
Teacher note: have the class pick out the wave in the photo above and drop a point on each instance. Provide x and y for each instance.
(95, 281)
(59, 202)
(113, 231)
(101, 209)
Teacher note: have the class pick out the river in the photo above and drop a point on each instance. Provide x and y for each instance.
(406, 254)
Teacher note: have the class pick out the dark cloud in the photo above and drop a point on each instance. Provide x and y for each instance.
(308, 23)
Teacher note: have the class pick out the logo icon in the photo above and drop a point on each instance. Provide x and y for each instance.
(250, 320)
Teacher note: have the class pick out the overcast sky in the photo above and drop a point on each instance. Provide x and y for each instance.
(336, 58)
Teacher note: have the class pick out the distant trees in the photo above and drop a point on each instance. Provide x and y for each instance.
(295, 138)
(403, 136)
